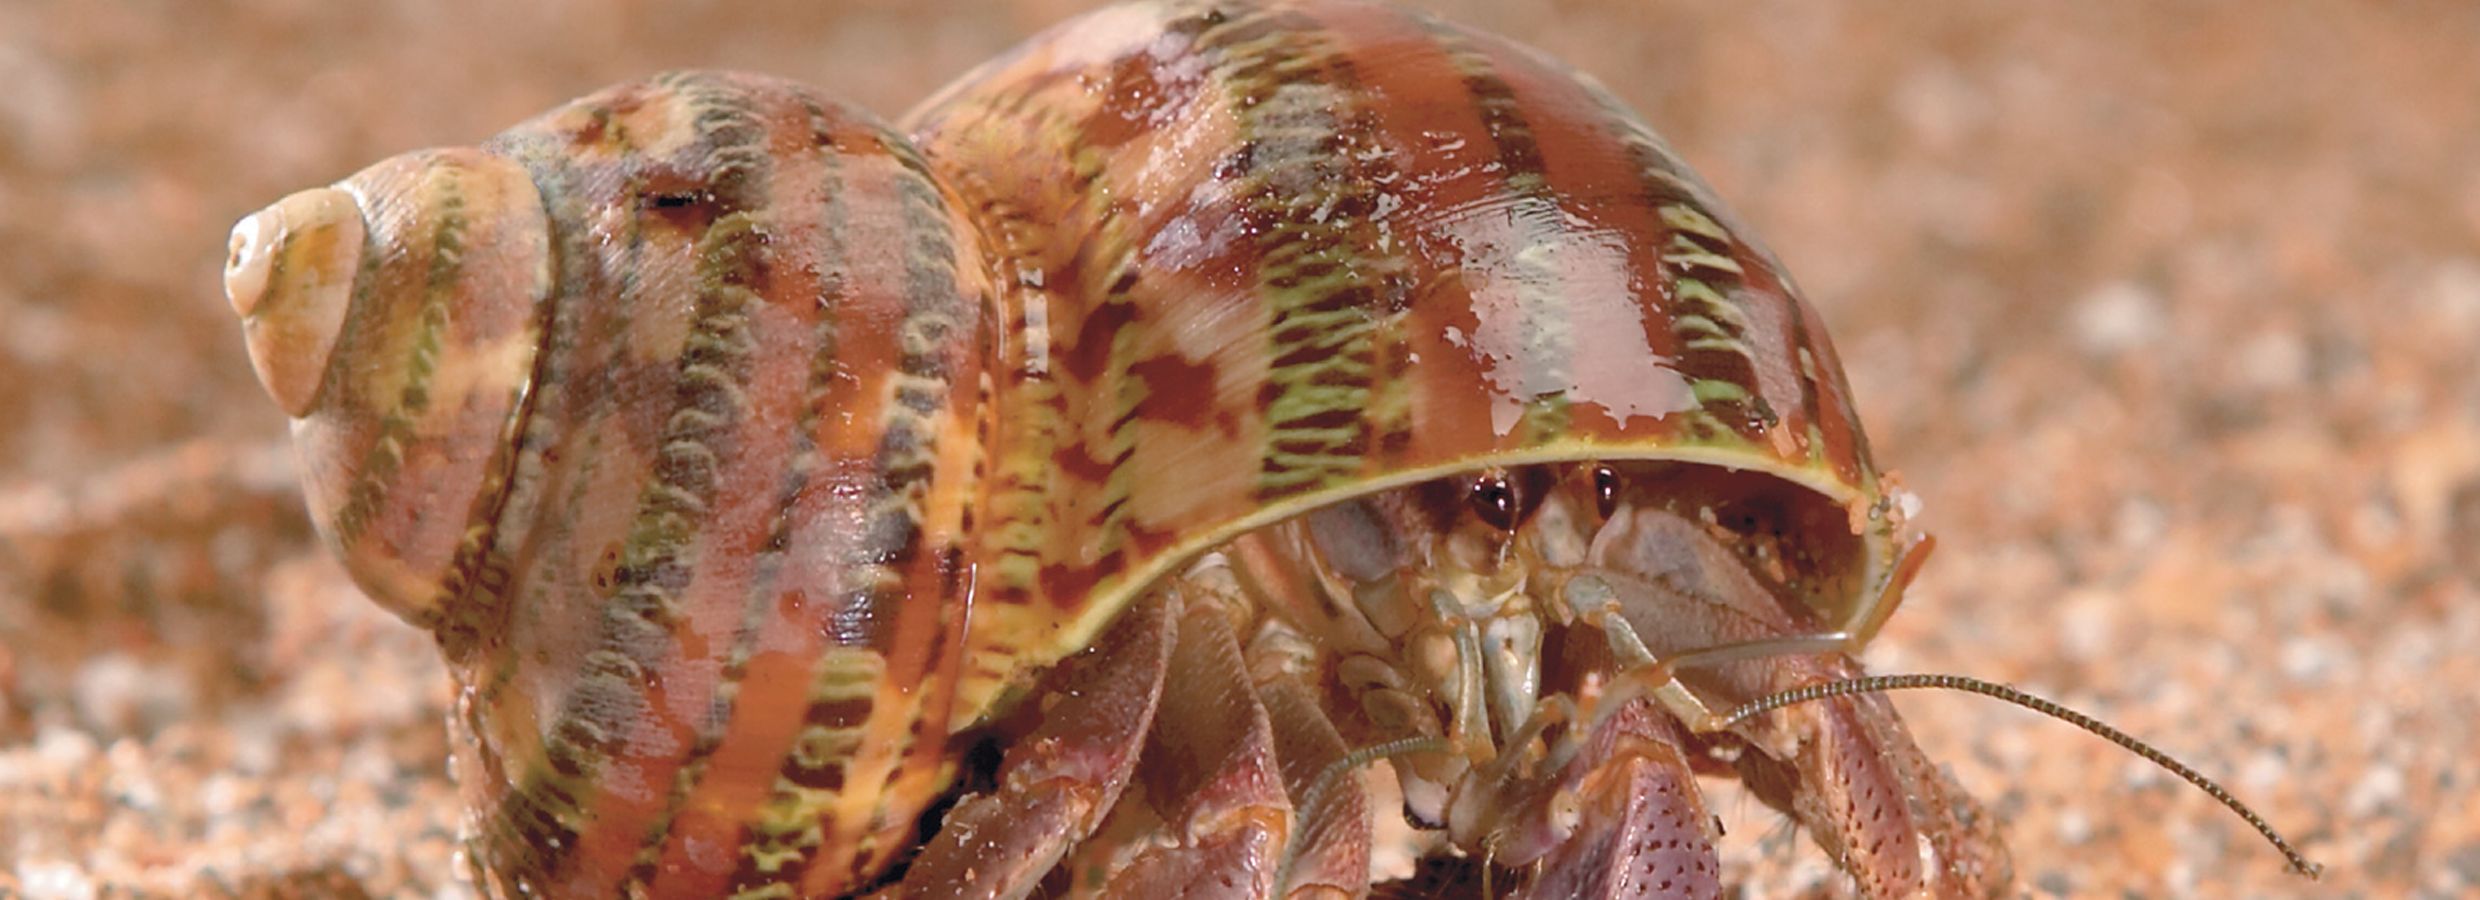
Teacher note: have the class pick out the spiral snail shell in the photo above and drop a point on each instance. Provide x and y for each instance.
(754, 461)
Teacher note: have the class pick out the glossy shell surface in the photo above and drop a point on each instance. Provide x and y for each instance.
(735, 534)
(1258, 257)
(661, 411)
(762, 451)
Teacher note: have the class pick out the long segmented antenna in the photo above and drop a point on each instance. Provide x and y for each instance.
(1336, 771)
(1880, 683)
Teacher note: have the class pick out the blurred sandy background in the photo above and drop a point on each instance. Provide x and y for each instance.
(2170, 312)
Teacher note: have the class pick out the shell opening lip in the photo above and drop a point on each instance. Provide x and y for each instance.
(1878, 534)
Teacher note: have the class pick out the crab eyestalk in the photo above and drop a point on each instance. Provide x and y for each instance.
(395, 317)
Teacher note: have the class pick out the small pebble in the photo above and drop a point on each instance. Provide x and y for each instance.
(2118, 317)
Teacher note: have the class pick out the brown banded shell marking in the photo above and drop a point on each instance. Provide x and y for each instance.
(1260, 257)
(704, 597)
(749, 456)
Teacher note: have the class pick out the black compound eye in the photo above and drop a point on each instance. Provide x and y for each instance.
(1495, 501)
(1605, 490)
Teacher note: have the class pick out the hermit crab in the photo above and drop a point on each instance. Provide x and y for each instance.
(1219, 448)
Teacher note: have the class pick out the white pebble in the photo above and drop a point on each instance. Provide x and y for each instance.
(54, 881)
(222, 796)
(2378, 788)
(2086, 622)
(117, 693)
(2454, 292)
(2118, 317)
(2074, 827)
(64, 747)
(2307, 658)
(2273, 360)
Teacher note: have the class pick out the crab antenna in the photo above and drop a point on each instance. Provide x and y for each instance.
(1335, 771)
(1871, 684)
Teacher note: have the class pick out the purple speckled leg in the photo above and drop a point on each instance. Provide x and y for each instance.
(1640, 825)
(1871, 798)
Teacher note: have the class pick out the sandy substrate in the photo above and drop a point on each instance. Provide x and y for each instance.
(2171, 316)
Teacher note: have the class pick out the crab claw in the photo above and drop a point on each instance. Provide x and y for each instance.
(1874, 802)
(1625, 818)
(1843, 766)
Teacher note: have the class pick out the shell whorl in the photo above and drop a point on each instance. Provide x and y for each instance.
(726, 495)
(742, 496)
(396, 317)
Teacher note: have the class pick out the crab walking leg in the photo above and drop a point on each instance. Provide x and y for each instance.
(1624, 818)
(1868, 795)
(1210, 774)
(1058, 783)
(1329, 854)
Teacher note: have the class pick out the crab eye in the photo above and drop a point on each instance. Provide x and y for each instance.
(1605, 490)
(1494, 500)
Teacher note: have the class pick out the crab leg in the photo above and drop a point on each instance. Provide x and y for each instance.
(1870, 797)
(1639, 825)
(1329, 856)
(1210, 774)
(1058, 783)
(1844, 767)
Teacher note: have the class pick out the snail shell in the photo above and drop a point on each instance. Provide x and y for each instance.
(740, 454)
(661, 410)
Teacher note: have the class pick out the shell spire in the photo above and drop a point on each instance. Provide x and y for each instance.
(396, 317)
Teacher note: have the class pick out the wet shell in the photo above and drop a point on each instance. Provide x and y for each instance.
(742, 450)
(661, 411)
(1260, 257)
